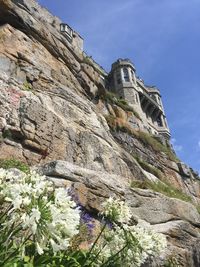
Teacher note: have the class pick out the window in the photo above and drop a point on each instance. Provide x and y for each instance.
(136, 97)
(159, 121)
(159, 101)
(118, 77)
(64, 28)
(126, 76)
(132, 76)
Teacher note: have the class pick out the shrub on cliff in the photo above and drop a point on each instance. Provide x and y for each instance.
(163, 188)
(14, 163)
(122, 103)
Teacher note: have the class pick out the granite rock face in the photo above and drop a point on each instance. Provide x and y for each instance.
(51, 116)
(44, 118)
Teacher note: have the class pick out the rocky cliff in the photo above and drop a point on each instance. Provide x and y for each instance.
(55, 113)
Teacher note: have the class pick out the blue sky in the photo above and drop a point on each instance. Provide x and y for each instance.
(162, 38)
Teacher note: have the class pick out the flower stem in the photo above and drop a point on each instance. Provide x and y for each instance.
(95, 242)
(15, 251)
(114, 256)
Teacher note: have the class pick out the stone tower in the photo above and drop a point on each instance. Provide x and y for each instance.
(124, 80)
(145, 100)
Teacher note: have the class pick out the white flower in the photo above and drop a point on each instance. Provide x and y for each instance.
(35, 214)
(55, 246)
(8, 199)
(116, 210)
(48, 214)
(17, 203)
(136, 244)
(26, 201)
(60, 196)
(32, 220)
(59, 244)
(39, 249)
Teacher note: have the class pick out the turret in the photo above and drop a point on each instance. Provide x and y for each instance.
(123, 72)
(123, 80)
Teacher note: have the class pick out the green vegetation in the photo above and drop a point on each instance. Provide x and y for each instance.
(198, 208)
(1, 138)
(111, 120)
(145, 138)
(149, 168)
(118, 125)
(7, 134)
(27, 86)
(89, 61)
(122, 103)
(13, 163)
(152, 141)
(163, 188)
(172, 262)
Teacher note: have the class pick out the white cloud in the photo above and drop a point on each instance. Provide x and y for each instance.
(198, 145)
(176, 147)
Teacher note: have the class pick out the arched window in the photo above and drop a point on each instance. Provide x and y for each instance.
(159, 101)
(126, 75)
(133, 76)
(118, 76)
(136, 97)
(159, 121)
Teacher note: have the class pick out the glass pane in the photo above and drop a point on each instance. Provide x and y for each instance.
(126, 76)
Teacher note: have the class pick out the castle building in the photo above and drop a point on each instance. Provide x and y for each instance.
(145, 100)
(72, 36)
(122, 80)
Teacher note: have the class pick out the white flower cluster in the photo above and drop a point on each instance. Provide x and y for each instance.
(132, 244)
(151, 242)
(116, 210)
(46, 214)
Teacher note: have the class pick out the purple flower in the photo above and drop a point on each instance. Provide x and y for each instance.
(108, 223)
(88, 221)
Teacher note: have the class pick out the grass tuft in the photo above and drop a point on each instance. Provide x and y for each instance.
(13, 163)
(150, 140)
(27, 86)
(122, 103)
(145, 138)
(163, 188)
(149, 168)
(198, 208)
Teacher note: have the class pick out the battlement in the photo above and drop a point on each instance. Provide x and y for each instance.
(123, 62)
